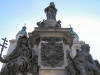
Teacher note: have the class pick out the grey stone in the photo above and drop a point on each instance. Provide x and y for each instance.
(83, 64)
(51, 11)
(52, 54)
(20, 60)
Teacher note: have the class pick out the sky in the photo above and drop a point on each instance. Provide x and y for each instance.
(83, 15)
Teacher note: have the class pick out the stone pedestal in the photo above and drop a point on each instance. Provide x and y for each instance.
(52, 72)
(52, 45)
(50, 23)
(26, 74)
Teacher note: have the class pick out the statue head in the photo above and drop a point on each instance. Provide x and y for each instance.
(22, 41)
(85, 47)
(59, 21)
(52, 4)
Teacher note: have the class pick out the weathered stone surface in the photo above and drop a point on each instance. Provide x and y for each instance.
(50, 50)
(20, 60)
(83, 64)
(52, 54)
(51, 11)
(52, 72)
(52, 32)
(51, 18)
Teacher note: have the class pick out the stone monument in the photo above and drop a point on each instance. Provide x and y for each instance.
(49, 50)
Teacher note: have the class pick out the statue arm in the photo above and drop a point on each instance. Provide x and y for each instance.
(13, 55)
(90, 59)
(2, 60)
(10, 57)
(46, 9)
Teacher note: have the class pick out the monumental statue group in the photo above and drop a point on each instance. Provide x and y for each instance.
(49, 50)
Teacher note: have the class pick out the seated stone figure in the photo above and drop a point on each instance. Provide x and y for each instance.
(70, 68)
(19, 61)
(83, 64)
(97, 63)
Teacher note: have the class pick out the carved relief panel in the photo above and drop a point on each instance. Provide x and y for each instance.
(51, 54)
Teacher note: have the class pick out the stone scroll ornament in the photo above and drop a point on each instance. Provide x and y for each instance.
(52, 54)
(20, 60)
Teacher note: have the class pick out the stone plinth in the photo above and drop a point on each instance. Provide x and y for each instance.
(50, 23)
(26, 74)
(52, 72)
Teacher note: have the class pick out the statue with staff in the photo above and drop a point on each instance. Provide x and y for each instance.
(3, 45)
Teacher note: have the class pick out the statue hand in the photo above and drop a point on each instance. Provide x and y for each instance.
(2, 60)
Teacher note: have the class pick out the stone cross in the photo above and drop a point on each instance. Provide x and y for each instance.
(3, 45)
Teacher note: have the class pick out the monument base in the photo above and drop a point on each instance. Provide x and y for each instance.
(52, 72)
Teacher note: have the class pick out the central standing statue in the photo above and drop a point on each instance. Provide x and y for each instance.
(51, 11)
(50, 22)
